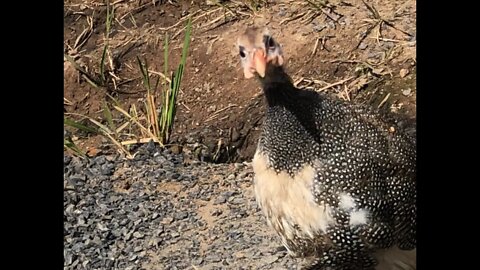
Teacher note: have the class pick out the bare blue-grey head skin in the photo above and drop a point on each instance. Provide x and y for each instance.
(336, 181)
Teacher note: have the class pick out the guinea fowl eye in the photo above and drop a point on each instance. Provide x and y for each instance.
(241, 50)
(269, 43)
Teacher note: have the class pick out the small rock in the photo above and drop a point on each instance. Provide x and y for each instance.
(370, 55)
(198, 261)
(109, 264)
(84, 264)
(107, 169)
(240, 255)
(404, 72)
(158, 231)
(212, 2)
(77, 179)
(132, 258)
(220, 200)
(160, 159)
(176, 149)
(228, 194)
(407, 92)
(100, 160)
(151, 146)
(237, 201)
(68, 259)
(181, 215)
(66, 159)
(331, 25)
(212, 108)
(138, 235)
(362, 46)
(172, 175)
(213, 258)
(319, 27)
(154, 242)
(114, 199)
(238, 165)
(269, 259)
(216, 212)
(167, 220)
(102, 227)
(243, 175)
(69, 209)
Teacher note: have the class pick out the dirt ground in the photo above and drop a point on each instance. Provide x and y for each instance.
(361, 51)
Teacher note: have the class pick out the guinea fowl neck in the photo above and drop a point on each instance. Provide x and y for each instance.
(278, 87)
(280, 92)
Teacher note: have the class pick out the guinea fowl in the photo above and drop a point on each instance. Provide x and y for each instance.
(335, 180)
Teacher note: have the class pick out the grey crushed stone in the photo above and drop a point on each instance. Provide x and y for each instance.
(154, 212)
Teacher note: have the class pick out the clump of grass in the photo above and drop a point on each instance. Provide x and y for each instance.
(100, 129)
(68, 143)
(161, 126)
(169, 106)
(152, 117)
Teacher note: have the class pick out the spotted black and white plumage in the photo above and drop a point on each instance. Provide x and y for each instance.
(331, 177)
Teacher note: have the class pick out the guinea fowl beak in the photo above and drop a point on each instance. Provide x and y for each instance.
(257, 64)
(260, 62)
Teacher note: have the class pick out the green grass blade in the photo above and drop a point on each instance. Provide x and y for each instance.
(186, 43)
(69, 144)
(77, 125)
(115, 101)
(156, 83)
(109, 19)
(165, 64)
(105, 130)
(102, 64)
(173, 98)
(108, 116)
(179, 75)
(108, 27)
(165, 93)
(145, 75)
(170, 93)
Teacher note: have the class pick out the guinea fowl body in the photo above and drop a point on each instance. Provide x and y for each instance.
(334, 181)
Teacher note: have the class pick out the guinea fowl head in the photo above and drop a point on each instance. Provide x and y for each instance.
(261, 56)
(259, 52)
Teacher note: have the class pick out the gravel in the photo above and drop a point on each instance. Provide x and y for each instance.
(154, 212)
